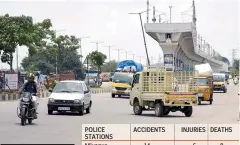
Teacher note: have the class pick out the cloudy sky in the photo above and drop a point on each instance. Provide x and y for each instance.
(108, 21)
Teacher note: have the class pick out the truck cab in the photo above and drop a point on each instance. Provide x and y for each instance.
(205, 88)
(219, 83)
(154, 89)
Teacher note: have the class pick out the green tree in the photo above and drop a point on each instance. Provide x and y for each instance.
(109, 66)
(63, 49)
(20, 31)
(98, 59)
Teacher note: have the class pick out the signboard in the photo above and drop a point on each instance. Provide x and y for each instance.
(11, 81)
(168, 59)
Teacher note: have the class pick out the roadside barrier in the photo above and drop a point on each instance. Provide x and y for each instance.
(44, 94)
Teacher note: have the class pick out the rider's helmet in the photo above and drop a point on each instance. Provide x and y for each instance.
(30, 77)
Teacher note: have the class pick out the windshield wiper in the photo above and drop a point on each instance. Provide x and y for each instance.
(76, 91)
(65, 91)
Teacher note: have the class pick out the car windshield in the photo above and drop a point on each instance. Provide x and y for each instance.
(218, 78)
(122, 78)
(68, 87)
(201, 82)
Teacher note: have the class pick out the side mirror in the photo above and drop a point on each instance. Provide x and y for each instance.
(85, 92)
(50, 90)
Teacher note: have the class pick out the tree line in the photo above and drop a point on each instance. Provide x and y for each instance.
(46, 51)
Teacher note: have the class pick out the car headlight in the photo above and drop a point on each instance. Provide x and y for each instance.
(77, 101)
(206, 90)
(51, 100)
(128, 89)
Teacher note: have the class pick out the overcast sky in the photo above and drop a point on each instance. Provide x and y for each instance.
(109, 21)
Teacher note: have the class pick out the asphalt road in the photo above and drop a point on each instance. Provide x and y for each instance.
(66, 128)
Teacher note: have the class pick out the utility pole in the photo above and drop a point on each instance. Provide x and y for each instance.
(132, 55)
(118, 54)
(17, 58)
(80, 42)
(126, 54)
(234, 54)
(109, 51)
(147, 11)
(140, 57)
(170, 7)
(143, 36)
(57, 52)
(97, 42)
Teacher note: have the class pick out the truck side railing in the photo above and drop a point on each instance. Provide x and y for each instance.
(159, 79)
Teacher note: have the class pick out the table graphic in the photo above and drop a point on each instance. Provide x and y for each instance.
(160, 134)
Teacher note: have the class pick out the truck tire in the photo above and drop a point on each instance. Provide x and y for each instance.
(188, 111)
(137, 109)
(211, 99)
(159, 109)
(199, 101)
(166, 112)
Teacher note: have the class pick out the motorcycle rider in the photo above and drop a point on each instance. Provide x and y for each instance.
(31, 87)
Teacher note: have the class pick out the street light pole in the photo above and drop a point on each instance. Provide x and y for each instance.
(97, 42)
(143, 35)
(56, 67)
(132, 55)
(109, 51)
(140, 58)
(126, 54)
(80, 42)
(170, 7)
(118, 54)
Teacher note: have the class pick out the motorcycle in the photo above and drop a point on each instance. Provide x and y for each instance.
(26, 111)
(235, 81)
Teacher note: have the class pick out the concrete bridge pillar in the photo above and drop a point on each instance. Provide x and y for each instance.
(181, 60)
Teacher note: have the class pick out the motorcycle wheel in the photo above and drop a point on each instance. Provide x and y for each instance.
(30, 121)
(23, 116)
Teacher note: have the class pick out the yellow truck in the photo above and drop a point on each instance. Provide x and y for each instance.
(155, 89)
(121, 84)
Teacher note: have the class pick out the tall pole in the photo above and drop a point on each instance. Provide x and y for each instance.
(97, 42)
(109, 50)
(144, 40)
(170, 13)
(56, 64)
(126, 53)
(118, 54)
(148, 61)
(140, 57)
(80, 42)
(147, 11)
(17, 58)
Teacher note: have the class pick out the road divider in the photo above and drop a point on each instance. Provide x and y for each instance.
(15, 96)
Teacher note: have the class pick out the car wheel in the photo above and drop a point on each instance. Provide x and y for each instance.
(88, 110)
(81, 112)
(50, 112)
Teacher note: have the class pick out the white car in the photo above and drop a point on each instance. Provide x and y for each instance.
(72, 96)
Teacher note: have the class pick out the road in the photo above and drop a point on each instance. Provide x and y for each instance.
(66, 128)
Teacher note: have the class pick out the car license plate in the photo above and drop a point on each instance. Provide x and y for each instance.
(64, 108)
(200, 94)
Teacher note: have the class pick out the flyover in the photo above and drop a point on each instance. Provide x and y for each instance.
(183, 47)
